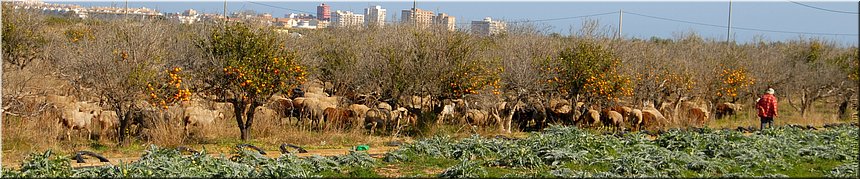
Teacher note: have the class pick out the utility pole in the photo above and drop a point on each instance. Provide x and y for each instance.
(126, 9)
(620, 22)
(729, 33)
(415, 12)
(1, 91)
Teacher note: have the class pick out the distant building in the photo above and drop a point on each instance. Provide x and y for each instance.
(299, 16)
(285, 22)
(324, 12)
(189, 12)
(346, 19)
(445, 20)
(422, 18)
(374, 16)
(305, 24)
(488, 27)
(267, 16)
(183, 18)
(319, 23)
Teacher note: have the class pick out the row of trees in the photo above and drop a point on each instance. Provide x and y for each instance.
(123, 62)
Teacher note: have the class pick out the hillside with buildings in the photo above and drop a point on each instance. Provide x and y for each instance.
(325, 17)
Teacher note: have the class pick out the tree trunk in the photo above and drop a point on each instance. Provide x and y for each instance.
(124, 123)
(239, 111)
(843, 109)
(244, 113)
(122, 131)
(246, 133)
(249, 120)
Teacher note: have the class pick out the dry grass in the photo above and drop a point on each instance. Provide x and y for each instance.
(25, 135)
(167, 133)
(821, 113)
(43, 132)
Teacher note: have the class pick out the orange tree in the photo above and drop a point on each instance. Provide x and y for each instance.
(469, 72)
(168, 90)
(732, 82)
(588, 70)
(473, 77)
(254, 64)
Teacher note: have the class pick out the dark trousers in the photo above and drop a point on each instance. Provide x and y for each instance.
(766, 120)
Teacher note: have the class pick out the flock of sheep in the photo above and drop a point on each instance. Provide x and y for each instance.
(314, 108)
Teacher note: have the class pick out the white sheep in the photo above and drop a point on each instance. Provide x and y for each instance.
(76, 116)
(198, 116)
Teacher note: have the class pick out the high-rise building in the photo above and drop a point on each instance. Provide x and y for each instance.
(323, 12)
(374, 16)
(445, 20)
(488, 27)
(346, 19)
(422, 18)
(189, 12)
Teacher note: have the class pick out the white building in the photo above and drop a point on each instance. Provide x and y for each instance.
(346, 19)
(488, 27)
(421, 18)
(374, 16)
(299, 16)
(305, 24)
(444, 20)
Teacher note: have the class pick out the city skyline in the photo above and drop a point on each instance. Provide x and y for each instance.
(641, 20)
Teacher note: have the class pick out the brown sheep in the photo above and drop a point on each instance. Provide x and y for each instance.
(107, 120)
(374, 118)
(384, 105)
(314, 109)
(360, 110)
(654, 118)
(726, 109)
(299, 109)
(561, 112)
(475, 117)
(590, 118)
(612, 119)
(338, 118)
(693, 114)
(636, 119)
(700, 116)
(623, 110)
(281, 105)
(415, 102)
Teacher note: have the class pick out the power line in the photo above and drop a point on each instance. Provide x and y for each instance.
(553, 19)
(563, 18)
(278, 7)
(823, 9)
(741, 28)
(643, 15)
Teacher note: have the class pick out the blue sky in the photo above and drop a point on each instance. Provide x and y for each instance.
(641, 19)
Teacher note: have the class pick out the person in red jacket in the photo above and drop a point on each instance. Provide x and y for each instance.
(766, 107)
